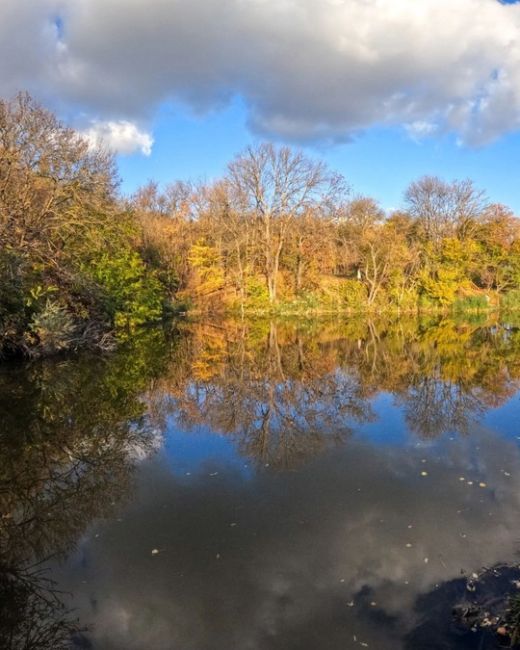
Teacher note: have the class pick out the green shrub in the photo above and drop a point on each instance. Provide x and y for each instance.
(257, 295)
(53, 328)
(353, 295)
(130, 294)
(471, 303)
(511, 300)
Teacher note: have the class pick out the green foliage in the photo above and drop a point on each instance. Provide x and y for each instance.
(256, 293)
(442, 286)
(53, 328)
(130, 294)
(511, 300)
(70, 262)
(353, 295)
(207, 268)
(471, 303)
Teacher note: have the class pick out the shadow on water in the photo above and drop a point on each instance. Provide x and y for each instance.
(300, 530)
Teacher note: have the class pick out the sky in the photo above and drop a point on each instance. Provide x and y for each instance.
(384, 91)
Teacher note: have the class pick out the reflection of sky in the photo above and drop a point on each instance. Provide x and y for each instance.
(506, 419)
(200, 449)
(388, 427)
(261, 559)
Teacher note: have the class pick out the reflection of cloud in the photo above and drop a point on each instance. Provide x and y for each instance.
(139, 449)
(305, 72)
(272, 562)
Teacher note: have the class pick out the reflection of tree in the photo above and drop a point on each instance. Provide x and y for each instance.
(283, 400)
(275, 390)
(462, 371)
(286, 390)
(33, 614)
(72, 431)
(433, 407)
(444, 373)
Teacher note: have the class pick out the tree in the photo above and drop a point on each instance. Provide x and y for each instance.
(276, 186)
(444, 209)
(53, 186)
(65, 242)
(498, 236)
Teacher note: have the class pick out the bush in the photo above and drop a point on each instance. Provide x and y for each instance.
(130, 294)
(511, 300)
(353, 295)
(257, 296)
(471, 303)
(53, 328)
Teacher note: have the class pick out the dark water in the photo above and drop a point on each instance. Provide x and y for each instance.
(260, 487)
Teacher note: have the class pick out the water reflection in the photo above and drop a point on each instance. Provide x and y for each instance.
(253, 459)
(286, 390)
(71, 432)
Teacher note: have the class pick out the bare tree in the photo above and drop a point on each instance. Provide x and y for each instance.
(445, 209)
(276, 186)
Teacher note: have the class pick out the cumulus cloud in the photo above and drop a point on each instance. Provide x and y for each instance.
(121, 137)
(306, 69)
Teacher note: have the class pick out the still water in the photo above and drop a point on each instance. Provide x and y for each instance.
(260, 486)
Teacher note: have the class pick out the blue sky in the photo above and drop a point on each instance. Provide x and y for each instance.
(384, 91)
(380, 162)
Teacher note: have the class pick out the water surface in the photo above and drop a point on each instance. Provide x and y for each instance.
(261, 485)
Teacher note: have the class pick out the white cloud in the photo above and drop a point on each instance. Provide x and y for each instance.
(420, 129)
(305, 70)
(121, 137)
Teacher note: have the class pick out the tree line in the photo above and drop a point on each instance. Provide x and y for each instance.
(280, 232)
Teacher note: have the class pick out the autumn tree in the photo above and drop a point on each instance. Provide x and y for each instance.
(276, 186)
(444, 209)
(65, 243)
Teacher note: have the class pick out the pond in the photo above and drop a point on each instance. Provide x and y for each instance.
(261, 485)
